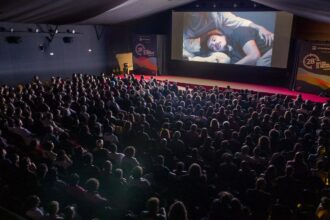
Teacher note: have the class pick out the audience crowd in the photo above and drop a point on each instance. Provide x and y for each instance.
(109, 147)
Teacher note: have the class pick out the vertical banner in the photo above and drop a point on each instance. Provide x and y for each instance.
(313, 69)
(145, 54)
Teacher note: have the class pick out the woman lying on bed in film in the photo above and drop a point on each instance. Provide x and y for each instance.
(242, 46)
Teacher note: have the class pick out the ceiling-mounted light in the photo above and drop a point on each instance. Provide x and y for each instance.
(11, 29)
(41, 47)
(51, 54)
(56, 31)
(36, 30)
(73, 31)
(90, 50)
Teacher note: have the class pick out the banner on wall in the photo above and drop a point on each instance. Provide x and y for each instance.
(145, 54)
(313, 69)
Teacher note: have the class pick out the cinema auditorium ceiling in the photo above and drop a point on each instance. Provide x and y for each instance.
(118, 11)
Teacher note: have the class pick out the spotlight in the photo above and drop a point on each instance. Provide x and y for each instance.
(41, 47)
(37, 30)
(90, 50)
(56, 31)
(51, 54)
(73, 31)
(12, 30)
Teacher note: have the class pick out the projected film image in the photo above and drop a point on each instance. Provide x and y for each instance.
(244, 38)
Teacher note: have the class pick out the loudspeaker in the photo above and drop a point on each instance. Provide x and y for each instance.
(67, 40)
(13, 39)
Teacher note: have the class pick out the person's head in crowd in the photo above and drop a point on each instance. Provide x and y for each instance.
(261, 183)
(92, 185)
(69, 213)
(137, 172)
(118, 173)
(25, 163)
(289, 171)
(49, 146)
(129, 151)
(195, 170)
(88, 159)
(214, 124)
(153, 205)
(107, 166)
(33, 202)
(160, 160)
(176, 135)
(53, 208)
(42, 170)
(165, 133)
(177, 211)
(99, 143)
(74, 179)
(112, 148)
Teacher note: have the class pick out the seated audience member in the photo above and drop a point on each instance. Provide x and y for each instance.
(153, 210)
(53, 210)
(177, 211)
(129, 161)
(34, 212)
(69, 213)
(114, 156)
(258, 200)
(139, 189)
(323, 210)
(94, 204)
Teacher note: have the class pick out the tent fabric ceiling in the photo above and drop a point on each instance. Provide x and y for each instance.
(117, 11)
(133, 9)
(313, 9)
(56, 12)
(76, 11)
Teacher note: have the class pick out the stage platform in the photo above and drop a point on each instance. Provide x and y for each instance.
(209, 83)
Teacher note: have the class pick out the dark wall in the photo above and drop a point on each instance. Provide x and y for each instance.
(307, 29)
(19, 62)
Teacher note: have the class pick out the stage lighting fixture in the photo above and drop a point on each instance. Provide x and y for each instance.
(41, 47)
(12, 30)
(51, 54)
(37, 30)
(90, 50)
(56, 31)
(73, 31)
